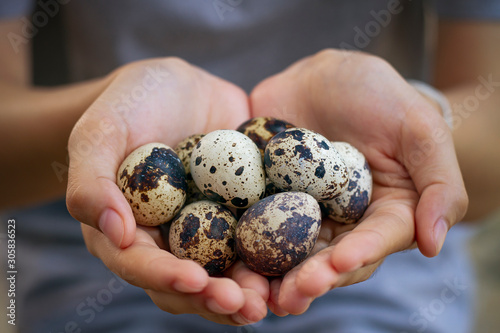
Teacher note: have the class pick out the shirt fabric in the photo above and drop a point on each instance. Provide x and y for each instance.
(60, 283)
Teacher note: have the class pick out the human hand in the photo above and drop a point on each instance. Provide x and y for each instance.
(159, 100)
(418, 191)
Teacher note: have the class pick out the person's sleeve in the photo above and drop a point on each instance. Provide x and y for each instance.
(469, 9)
(15, 8)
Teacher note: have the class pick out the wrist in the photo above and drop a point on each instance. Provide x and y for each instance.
(436, 98)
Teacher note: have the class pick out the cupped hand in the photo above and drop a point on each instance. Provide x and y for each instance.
(158, 100)
(182, 286)
(418, 190)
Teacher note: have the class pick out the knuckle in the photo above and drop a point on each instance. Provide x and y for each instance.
(331, 54)
(176, 62)
(463, 202)
(74, 199)
(372, 63)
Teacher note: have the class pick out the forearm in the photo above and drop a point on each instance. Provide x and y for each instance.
(477, 140)
(35, 124)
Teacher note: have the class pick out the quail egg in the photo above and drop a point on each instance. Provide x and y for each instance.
(298, 159)
(184, 149)
(227, 167)
(349, 206)
(153, 181)
(262, 129)
(204, 232)
(278, 232)
(271, 188)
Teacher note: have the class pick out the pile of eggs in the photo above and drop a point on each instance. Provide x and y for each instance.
(277, 178)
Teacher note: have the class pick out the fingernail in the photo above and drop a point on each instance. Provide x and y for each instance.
(213, 306)
(440, 231)
(111, 225)
(238, 318)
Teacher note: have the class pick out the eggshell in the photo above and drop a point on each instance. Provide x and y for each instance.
(278, 232)
(204, 232)
(271, 188)
(184, 149)
(262, 129)
(350, 206)
(153, 181)
(227, 167)
(298, 159)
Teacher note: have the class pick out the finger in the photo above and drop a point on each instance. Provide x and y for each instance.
(336, 280)
(433, 167)
(223, 295)
(359, 275)
(271, 98)
(290, 299)
(248, 279)
(92, 196)
(388, 227)
(220, 296)
(273, 301)
(144, 265)
(315, 278)
(253, 311)
(158, 235)
(437, 211)
(317, 275)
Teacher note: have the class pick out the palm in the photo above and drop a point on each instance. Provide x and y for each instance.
(367, 104)
(184, 101)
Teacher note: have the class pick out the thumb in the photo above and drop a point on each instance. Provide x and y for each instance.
(431, 161)
(92, 196)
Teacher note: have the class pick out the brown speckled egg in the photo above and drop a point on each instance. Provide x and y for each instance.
(278, 232)
(271, 188)
(227, 167)
(298, 159)
(153, 181)
(262, 129)
(204, 232)
(184, 149)
(349, 206)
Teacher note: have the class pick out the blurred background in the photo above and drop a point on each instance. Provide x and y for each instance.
(484, 247)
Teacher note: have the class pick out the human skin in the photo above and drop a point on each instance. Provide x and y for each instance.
(93, 200)
(348, 254)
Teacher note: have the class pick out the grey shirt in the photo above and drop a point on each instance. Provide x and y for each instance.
(244, 42)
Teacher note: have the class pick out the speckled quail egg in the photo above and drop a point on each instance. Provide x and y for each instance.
(204, 232)
(262, 129)
(271, 188)
(153, 181)
(184, 149)
(298, 159)
(227, 167)
(278, 232)
(349, 206)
